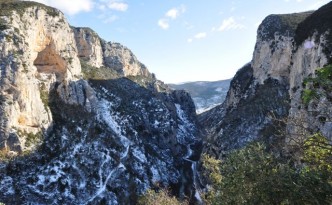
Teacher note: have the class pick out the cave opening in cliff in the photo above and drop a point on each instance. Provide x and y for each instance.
(49, 61)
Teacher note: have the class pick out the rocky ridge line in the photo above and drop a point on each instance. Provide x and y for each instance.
(270, 87)
(90, 140)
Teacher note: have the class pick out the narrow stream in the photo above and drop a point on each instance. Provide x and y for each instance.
(194, 175)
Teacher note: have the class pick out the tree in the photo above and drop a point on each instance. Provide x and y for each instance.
(162, 197)
(254, 176)
(318, 153)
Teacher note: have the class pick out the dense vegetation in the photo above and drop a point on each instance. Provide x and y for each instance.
(252, 175)
(298, 172)
(162, 197)
(294, 173)
(318, 86)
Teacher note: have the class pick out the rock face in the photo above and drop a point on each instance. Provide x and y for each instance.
(89, 46)
(289, 48)
(85, 140)
(108, 60)
(122, 60)
(35, 54)
(97, 52)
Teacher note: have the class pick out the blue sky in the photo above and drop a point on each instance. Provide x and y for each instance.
(181, 40)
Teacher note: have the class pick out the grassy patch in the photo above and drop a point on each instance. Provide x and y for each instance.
(141, 80)
(8, 6)
(44, 95)
(285, 24)
(94, 73)
(318, 86)
(291, 21)
(30, 138)
(308, 95)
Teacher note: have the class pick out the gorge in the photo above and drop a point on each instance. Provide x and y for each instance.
(83, 121)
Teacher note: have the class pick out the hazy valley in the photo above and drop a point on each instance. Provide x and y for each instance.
(205, 94)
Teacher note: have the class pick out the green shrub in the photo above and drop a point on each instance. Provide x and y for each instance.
(44, 95)
(318, 152)
(94, 73)
(318, 86)
(33, 139)
(308, 95)
(253, 176)
(162, 197)
(30, 138)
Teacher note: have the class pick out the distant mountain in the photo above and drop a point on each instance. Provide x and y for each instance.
(206, 94)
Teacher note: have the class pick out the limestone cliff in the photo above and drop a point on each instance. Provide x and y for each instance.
(82, 120)
(97, 52)
(109, 60)
(35, 53)
(289, 48)
(89, 46)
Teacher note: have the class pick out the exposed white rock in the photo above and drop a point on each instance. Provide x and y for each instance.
(89, 46)
(106, 135)
(307, 59)
(120, 58)
(280, 58)
(272, 58)
(272, 84)
(37, 50)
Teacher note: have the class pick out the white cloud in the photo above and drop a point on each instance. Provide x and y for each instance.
(197, 36)
(230, 24)
(163, 23)
(200, 35)
(173, 13)
(107, 8)
(71, 7)
(117, 5)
